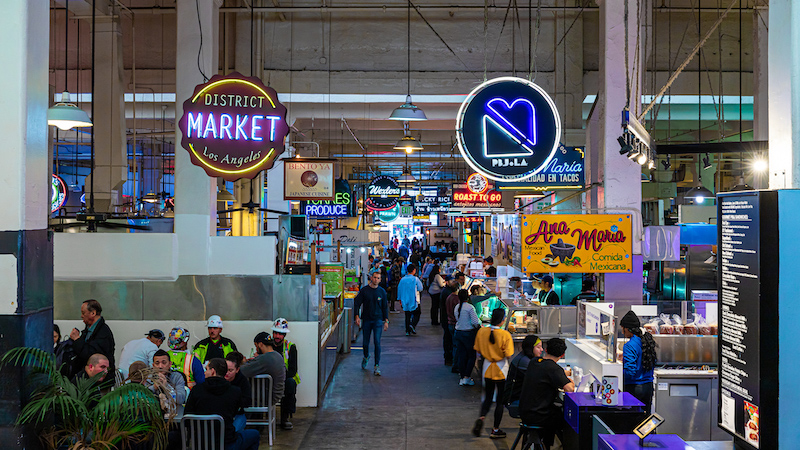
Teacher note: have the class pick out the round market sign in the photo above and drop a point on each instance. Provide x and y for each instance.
(389, 215)
(58, 193)
(508, 129)
(233, 126)
(383, 193)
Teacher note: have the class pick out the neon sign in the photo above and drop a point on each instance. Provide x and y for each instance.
(233, 126)
(477, 183)
(58, 193)
(340, 206)
(464, 198)
(383, 193)
(508, 129)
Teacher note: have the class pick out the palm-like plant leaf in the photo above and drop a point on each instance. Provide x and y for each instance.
(31, 357)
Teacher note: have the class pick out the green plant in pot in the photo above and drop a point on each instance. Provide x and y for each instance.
(79, 416)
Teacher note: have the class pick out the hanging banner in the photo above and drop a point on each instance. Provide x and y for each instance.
(564, 171)
(307, 179)
(508, 129)
(233, 126)
(341, 205)
(383, 193)
(576, 243)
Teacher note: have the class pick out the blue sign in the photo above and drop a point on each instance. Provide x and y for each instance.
(564, 171)
(341, 205)
(508, 129)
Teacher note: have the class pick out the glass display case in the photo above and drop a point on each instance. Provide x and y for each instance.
(597, 327)
(524, 317)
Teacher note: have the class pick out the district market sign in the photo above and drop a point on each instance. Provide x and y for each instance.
(383, 193)
(508, 129)
(233, 126)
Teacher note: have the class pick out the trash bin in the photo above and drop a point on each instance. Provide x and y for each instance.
(346, 330)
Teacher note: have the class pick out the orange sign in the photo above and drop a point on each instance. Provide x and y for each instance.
(576, 243)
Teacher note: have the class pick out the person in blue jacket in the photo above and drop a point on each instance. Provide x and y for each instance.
(638, 360)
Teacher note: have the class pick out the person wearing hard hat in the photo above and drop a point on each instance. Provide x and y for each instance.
(182, 360)
(214, 346)
(289, 352)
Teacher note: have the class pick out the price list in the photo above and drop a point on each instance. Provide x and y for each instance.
(739, 313)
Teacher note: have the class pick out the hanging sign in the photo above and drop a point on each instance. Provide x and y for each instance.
(468, 219)
(430, 202)
(464, 198)
(58, 193)
(307, 179)
(477, 183)
(389, 215)
(508, 129)
(564, 171)
(383, 193)
(576, 243)
(340, 206)
(233, 126)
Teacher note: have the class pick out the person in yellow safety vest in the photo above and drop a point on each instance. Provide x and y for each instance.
(214, 346)
(182, 360)
(289, 352)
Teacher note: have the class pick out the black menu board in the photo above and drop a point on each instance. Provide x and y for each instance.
(747, 249)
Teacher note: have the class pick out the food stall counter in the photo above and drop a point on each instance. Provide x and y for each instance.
(579, 407)
(631, 442)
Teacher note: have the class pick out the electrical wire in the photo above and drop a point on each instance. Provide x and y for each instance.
(199, 50)
(416, 8)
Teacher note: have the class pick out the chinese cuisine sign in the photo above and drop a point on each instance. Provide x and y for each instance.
(233, 126)
(308, 179)
(563, 243)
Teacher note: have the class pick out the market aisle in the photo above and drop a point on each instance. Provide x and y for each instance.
(417, 403)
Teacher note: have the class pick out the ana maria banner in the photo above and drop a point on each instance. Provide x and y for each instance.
(576, 243)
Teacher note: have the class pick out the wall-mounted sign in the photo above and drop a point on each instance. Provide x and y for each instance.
(564, 171)
(576, 243)
(342, 204)
(508, 129)
(431, 203)
(307, 179)
(468, 219)
(383, 193)
(58, 193)
(389, 215)
(477, 183)
(349, 236)
(233, 126)
(464, 198)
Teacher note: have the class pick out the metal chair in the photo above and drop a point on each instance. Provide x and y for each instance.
(261, 401)
(202, 432)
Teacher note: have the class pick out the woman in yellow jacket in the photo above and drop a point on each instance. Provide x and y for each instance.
(496, 346)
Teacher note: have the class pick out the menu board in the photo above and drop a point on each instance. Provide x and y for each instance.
(332, 278)
(739, 313)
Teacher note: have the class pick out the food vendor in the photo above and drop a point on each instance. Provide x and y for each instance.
(638, 360)
(547, 295)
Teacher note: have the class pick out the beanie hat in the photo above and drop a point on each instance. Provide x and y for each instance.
(631, 320)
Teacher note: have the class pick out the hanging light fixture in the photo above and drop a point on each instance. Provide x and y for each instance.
(406, 179)
(699, 194)
(65, 115)
(223, 195)
(408, 111)
(409, 144)
(150, 197)
(742, 186)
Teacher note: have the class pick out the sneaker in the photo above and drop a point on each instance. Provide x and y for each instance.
(377, 371)
(468, 381)
(287, 425)
(497, 434)
(461, 382)
(413, 330)
(364, 363)
(408, 334)
(476, 430)
(395, 312)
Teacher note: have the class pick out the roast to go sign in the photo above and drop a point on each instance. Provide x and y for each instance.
(508, 129)
(233, 126)
(580, 243)
(466, 199)
(383, 193)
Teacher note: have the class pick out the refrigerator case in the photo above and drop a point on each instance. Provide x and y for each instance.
(687, 400)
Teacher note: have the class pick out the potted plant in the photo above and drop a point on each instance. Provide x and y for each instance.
(77, 416)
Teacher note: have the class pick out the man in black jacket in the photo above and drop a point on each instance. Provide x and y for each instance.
(95, 338)
(217, 396)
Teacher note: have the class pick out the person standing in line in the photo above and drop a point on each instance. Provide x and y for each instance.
(394, 279)
(496, 347)
(638, 360)
(447, 337)
(371, 310)
(467, 326)
(435, 285)
(408, 292)
(95, 338)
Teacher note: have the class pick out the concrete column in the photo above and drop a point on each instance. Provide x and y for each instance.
(760, 86)
(26, 248)
(111, 164)
(621, 177)
(784, 94)
(195, 191)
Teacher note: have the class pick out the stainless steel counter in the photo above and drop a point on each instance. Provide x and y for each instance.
(687, 400)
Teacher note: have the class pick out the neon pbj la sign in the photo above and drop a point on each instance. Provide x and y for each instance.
(233, 126)
(508, 129)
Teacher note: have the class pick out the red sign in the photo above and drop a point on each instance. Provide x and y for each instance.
(464, 198)
(233, 126)
(469, 219)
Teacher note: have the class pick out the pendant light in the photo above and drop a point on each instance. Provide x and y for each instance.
(406, 179)
(65, 115)
(409, 144)
(408, 111)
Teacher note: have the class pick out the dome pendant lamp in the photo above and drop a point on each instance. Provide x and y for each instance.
(408, 111)
(66, 115)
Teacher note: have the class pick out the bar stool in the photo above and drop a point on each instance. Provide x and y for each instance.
(530, 437)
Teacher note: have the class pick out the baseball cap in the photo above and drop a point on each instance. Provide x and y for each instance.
(263, 338)
(156, 333)
(547, 279)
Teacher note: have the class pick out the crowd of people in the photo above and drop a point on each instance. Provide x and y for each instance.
(211, 378)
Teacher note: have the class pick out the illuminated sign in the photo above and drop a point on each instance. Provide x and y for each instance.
(576, 243)
(508, 129)
(383, 193)
(468, 219)
(58, 193)
(477, 183)
(464, 198)
(564, 171)
(233, 126)
(307, 180)
(340, 206)
(389, 215)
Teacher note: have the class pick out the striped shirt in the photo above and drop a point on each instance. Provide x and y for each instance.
(467, 320)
